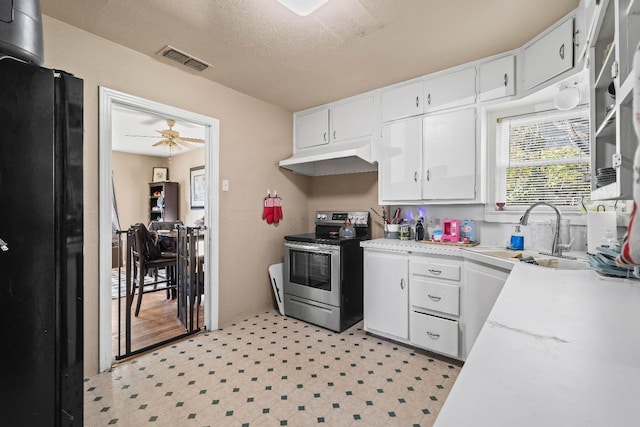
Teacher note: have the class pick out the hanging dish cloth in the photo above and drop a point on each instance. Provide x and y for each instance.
(630, 253)
(277, 207)
(267, 211)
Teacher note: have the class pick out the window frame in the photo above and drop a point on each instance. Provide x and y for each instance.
(512, 215)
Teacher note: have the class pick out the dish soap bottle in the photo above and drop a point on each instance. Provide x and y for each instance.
(419, 231)
(517, 239)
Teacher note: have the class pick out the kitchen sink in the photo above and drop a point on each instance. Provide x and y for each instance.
(543, 260)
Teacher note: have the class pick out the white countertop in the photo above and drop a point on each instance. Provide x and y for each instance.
(412, 246)
(560, 348)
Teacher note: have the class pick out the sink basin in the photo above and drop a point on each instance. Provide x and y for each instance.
(562, 263)
(546, 261)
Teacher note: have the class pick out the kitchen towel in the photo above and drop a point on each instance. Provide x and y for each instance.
(267, 211)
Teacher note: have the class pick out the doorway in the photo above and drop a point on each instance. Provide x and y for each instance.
(111, 101)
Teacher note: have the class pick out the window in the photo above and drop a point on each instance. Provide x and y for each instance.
(543, 157)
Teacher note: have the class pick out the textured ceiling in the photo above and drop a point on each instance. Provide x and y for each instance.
(346, 47)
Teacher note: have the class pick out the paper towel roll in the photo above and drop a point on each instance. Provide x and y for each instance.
(597, 225)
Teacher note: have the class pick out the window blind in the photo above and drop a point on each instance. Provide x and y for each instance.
(543, 157)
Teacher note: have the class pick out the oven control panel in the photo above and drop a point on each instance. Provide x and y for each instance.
(358, 218)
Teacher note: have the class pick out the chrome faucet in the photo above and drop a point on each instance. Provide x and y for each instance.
(556, 247)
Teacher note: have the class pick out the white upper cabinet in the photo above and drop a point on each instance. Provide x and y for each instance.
(352, 119)
(399, 169)
(403, 101)
(449, 153)
(549, 56)
(497, 78)
(312, 128)
(450, 90)
(429, 158)
(342, 121)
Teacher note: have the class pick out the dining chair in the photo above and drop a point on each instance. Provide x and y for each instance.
(143, 266)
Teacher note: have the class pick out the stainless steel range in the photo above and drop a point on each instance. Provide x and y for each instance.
(323, 271)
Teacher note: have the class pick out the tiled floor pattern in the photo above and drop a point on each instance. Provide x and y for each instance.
(270, 370)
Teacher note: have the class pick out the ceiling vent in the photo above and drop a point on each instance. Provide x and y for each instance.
(183, 58)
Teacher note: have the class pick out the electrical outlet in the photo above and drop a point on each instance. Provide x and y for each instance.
(430, 221)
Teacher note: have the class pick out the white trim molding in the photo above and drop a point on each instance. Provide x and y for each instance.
(109, 97)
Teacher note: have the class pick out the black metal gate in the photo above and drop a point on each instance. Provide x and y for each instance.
(184, 286)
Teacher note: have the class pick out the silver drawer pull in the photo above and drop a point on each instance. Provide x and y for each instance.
(436, 272)
(401, 283)
(433, 336)
(3, 246)
(434, 298)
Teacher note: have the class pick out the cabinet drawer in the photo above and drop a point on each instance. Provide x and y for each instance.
(435, 296)
(437, 270)
(434, 333)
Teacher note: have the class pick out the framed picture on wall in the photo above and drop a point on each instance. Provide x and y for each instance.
(198, 187)
(160, 174)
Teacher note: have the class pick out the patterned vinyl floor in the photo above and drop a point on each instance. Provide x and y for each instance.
(270, 370)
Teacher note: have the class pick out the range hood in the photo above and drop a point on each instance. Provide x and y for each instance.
(332, 160)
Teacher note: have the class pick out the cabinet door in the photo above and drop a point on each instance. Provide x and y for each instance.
(549, 56)
(401, 160)
(483, 284)
(497, 78)
(353, 119)
(450, 90)
(401, 102)
(386, 293)
(449, 157)
(312, 128)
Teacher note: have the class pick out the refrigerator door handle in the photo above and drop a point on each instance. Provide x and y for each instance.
(3, 246)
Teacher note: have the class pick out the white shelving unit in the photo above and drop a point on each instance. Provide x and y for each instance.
(615, 35)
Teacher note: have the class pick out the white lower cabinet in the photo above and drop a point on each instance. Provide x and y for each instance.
(434, 333)
(483, 284)
(386, 293)
(435, 302)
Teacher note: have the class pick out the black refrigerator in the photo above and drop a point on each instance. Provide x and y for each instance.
(41, 252)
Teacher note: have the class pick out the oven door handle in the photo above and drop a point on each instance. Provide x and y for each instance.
(311, 248)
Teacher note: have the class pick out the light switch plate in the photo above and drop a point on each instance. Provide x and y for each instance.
(225, 185)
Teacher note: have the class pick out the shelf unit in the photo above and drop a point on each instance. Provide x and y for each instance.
(616, 32)
(168, 211)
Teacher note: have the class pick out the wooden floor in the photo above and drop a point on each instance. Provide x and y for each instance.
(156, 322)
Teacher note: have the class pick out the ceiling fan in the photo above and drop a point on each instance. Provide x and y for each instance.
(172, 139)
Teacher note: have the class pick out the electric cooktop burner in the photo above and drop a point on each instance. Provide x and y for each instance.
(328, 225)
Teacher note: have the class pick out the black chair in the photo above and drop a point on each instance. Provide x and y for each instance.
(143, 266)
(164, 225)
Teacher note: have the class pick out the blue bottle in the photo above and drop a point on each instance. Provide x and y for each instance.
(517, 239)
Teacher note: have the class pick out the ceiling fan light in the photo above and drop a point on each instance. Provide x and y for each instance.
(302, 7)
